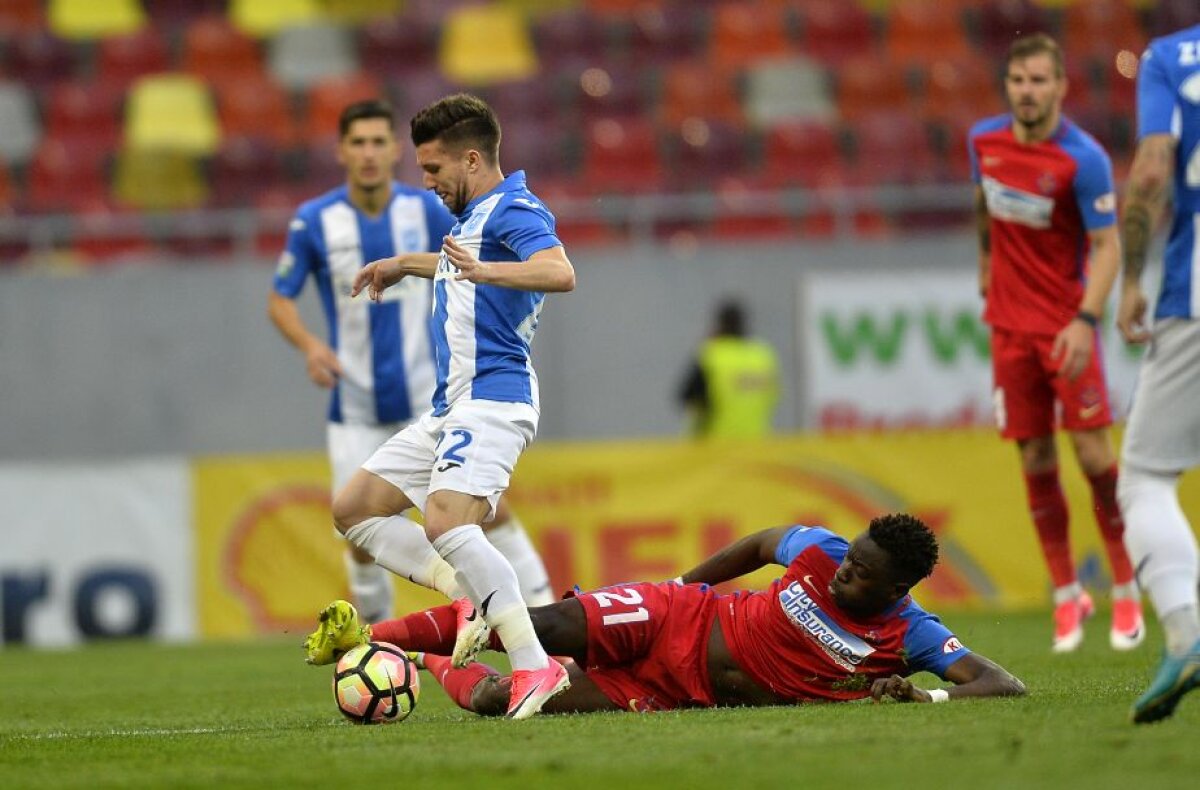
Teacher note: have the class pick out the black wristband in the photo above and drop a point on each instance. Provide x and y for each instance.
(1088, 318)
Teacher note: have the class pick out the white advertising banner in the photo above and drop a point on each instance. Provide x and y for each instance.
(909, 349)
(95, 551)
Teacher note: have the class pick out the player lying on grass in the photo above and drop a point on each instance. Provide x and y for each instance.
(839, 625)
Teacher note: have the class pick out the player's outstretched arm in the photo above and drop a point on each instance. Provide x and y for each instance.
(746, 556)
(548, 270)
(973, 676)
(378, 275)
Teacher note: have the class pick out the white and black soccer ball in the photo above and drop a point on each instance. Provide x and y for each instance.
(376, 683)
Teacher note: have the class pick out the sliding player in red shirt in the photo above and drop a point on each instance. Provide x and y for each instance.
(1045, 205)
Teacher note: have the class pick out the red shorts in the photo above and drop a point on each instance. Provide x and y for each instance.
(648, 644)
(1027, 385)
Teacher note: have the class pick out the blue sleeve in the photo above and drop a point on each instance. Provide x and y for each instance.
(799, 538)
(975, 175)
(526, 227)
(1094, 191)
(439, 220)
(299, 257)
(929, 645)
(1156, 99)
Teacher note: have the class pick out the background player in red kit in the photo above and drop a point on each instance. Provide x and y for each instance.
(839, 625)
(1044, 201)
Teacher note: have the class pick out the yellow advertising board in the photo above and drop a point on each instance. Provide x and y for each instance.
(608, 512)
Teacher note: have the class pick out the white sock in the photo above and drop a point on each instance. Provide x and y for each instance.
(1183, 629)
(1126, 591)
(1162, 549)
(1068, 592)
(400, 545)
(488, 580)
(371, 587)
(511, 540)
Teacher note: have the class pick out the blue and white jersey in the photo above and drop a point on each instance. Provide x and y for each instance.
(1169, 103)
(385, 349)
(482, 333)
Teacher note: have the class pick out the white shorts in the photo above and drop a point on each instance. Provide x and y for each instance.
(471, 449)
(1163, 431)
(351, 444)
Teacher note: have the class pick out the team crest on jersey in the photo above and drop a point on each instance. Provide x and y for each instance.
(1047, 183)
(951, 645)
(846, 649)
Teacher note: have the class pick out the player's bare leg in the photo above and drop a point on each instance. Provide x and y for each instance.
(1098, 461)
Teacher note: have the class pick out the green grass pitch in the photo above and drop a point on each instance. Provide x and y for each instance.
(253, 715)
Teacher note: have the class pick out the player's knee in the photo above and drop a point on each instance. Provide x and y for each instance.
(490, 697)
(346, 512)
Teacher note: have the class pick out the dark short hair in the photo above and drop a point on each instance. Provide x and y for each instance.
(909, 543)
(731, 318)
(362, 110)
(1037, 44)
(461, 120)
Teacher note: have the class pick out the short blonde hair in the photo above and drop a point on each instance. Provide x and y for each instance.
(1037, 44)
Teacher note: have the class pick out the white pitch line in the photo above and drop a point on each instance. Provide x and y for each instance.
(147, 733)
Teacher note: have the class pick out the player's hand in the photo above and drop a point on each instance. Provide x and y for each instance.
(1073, 348)
(469, 267)
(377, 276)
(898, 688)
(323, 365)
(1131, 314)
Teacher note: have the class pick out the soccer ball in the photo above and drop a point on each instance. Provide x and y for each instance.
(375, 683)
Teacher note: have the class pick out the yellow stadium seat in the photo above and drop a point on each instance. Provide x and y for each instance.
(87, 19)
(486, 44)
(158, 180)
(171, 112)
(356, 12)
(264, 18)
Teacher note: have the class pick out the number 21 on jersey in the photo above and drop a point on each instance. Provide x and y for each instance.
(623, 602)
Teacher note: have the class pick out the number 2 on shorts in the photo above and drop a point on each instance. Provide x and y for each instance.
(629, 598)
(451, 458)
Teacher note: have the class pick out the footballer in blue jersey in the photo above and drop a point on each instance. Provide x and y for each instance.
(1162, 437)
(490, 280)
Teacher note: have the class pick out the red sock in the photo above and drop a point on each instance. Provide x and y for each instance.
(1112, 526)
(458, 683)
(1048, 507)
(430, 631)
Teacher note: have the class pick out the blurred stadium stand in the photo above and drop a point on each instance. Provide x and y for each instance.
(725, 118)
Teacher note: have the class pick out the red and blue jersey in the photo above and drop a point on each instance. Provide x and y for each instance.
(1043, 198)
(1169, 103)
(795, 641)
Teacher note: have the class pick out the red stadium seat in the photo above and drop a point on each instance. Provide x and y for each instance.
(610, 92)
(526, 99)
(1002, 22)
(125, 58)
(745, 33)
(963, 85)
(665, 33)
(241, 170)
(214, 50)
(85, 115)
(622, 155)
(868, 85)
(923, 30)
(256, 107)
(541, 147)
(892, 148)
(802, 154)
(835, 32)
(65, 179)
(39, 59)
(695, 90)
(398, 46)
(706, 151)
(1168, 16)
(1101, 28)
(570, 37)
(22, 17)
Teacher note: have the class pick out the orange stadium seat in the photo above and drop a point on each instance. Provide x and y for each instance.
(1100, 28)
(214, 50)
(621, 155)
(923, 30)
(126, 57)
(328, 98)
(835, 32)
(744, 33)
(694, 89)
(963, 85)
(21, 16)
(869, 85)
(85, 115)
(256, 107)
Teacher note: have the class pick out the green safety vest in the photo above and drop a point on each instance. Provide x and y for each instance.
(742, 379)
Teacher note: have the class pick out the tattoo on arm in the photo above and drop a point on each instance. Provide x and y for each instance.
(1149, 188)
(1135, 228)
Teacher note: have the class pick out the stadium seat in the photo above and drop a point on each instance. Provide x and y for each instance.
(500, 32)
(705, 151)
(622, 156)
(172, 16)
(1101, 28)
(85, 115)
(241, 169)
(39, 59)
(398, 46)
(802, 154)
(914, 25)
(666, 33)
(835, 32)
(950, 133)
(265, 18)
(89, 19)
(422, 88)
(122, 59)
(158, 180)
(890, 149)
(787, 90)
(300, 56)
(869, 85)
(19, 126)
(257, 108)
(171, 112)
(694, 89)
(601, 92)
(214, 50)
(1001, 22)
(360, 12)
(21, 17)
(573, 38)
(1167, 16)
(63, 179)
(327, 99)
(541, 147)
(745, 33)
(526, 99)
(963, 85)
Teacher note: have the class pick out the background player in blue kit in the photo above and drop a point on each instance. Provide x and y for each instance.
(455, 461)
(378, 361)
(1163, 434)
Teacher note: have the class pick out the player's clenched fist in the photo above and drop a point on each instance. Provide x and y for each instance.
(898, 688)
